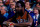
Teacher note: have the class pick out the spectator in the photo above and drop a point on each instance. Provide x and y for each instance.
(12, 5)
(12, 9)
(28, 7)
(4, 11)
(36, 16)
(2, 18)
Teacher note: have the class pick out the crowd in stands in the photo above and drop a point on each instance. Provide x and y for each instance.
(20, 12)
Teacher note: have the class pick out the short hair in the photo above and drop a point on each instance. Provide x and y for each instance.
(22, 3)
(5, 8)
(12, 2)
(29, 3)
(36, 9)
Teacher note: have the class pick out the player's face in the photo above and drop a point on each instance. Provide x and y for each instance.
(19, 7)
